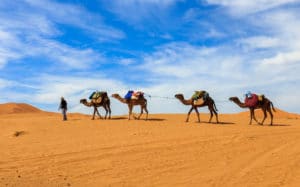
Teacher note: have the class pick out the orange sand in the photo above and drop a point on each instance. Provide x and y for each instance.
(39, 149)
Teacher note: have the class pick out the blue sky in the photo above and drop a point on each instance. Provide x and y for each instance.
(50, 49)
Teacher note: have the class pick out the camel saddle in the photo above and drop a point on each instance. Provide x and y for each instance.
(254, 100)
(200, 94)
(98, 100)
(96, 97)
(261, 98)
(137, 95)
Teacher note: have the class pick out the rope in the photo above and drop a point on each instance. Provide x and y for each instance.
(154, 96)
(172, 98)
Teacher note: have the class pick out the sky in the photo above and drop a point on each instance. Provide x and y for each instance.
(71, 48)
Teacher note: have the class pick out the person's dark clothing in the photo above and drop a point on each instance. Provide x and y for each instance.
(64, 107)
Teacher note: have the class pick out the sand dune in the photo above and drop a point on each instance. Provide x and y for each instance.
(15, 108)
(164, 151)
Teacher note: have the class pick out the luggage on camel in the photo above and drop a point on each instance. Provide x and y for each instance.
(133, 95)
(137, 95)
(96, 97)
(261, 98)
(128, 95)
(251, 100)
(199, 97)
(91, 96)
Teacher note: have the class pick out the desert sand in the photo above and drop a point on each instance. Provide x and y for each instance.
(39, 149)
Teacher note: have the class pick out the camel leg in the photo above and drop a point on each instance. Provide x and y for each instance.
(109, 112)
(146, 111)
(198, 115)
(265, 116)
(98, 113)
(130, 111)
(211, 113)
(188, 115)
(216, 114)
(271, 115)
(106, 111)
(93, 117)
(251, 116)
(255, 117)
(140, 113)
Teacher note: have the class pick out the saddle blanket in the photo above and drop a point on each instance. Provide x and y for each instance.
(251, 101)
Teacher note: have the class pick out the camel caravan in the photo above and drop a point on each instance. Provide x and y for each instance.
(199, 99)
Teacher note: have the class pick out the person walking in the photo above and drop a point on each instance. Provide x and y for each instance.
(64, 107)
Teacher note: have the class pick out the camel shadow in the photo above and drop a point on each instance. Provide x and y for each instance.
(118, 118)
(278, 125)
(155, 119)
(74, 119)
(220, 123)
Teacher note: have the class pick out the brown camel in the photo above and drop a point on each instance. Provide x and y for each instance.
(265, 105)
(105, 103)
(132, 102)
(208, 102)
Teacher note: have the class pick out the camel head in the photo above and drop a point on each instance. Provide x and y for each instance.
(115, 95)
(83, 100)
(179, 96)
(233, 99)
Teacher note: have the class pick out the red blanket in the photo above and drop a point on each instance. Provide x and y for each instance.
(251, 101)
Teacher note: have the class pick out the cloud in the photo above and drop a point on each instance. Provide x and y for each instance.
(283, 59)
(31, 30)
(259, 42)
(237, 7)
(154, 12)
(78, 16)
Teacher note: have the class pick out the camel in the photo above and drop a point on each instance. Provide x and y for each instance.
(265, 105)
(208, 102)
(105, 103)
(132, 102)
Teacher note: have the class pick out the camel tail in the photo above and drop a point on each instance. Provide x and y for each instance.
(272, 106)
(215, 107)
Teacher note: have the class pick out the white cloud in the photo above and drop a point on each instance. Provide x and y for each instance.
(283, 59)
(238, 7)
(30, 31)
(258, 42)
(77, 16)
(153, 12)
